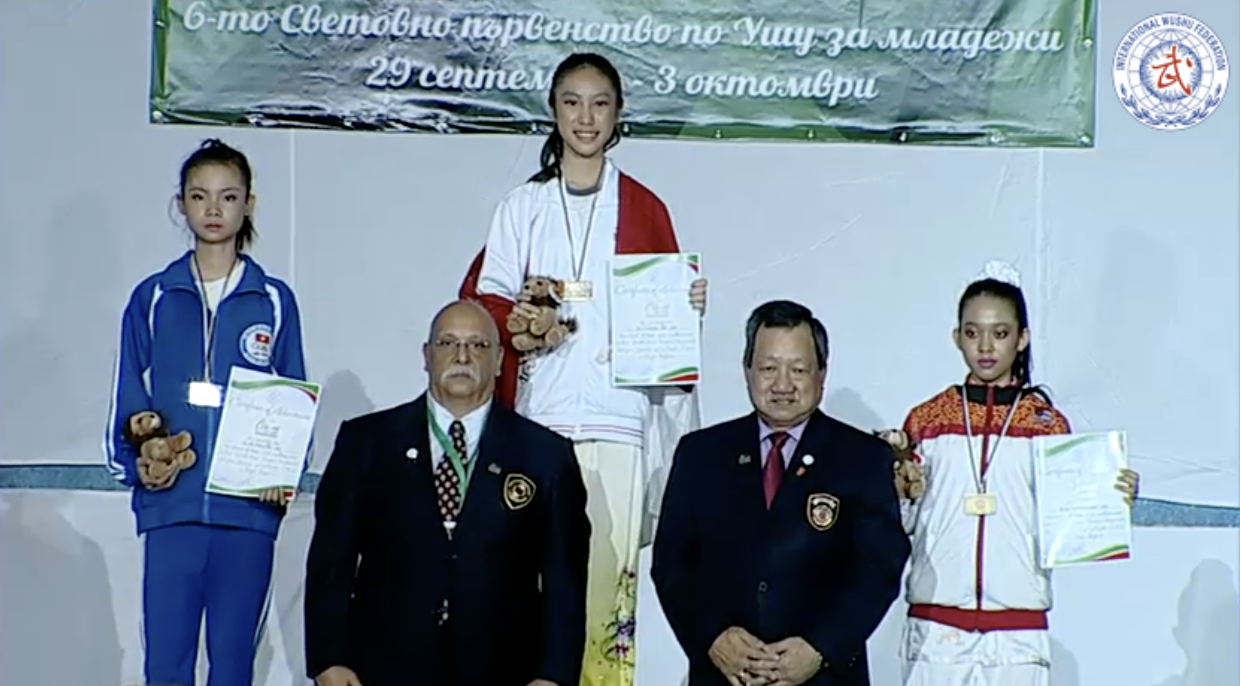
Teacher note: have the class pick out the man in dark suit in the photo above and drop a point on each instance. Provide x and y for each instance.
(451, 540)
(779, 549)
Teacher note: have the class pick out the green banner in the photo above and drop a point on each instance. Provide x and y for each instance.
(990, 72)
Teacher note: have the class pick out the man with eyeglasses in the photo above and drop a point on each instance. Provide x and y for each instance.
(780, 548)
(451, 539)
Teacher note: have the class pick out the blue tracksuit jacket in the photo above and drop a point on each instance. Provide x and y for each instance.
(162, 349)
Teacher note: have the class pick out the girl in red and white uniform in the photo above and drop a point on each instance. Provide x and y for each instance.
(567, 222)
(978, 599)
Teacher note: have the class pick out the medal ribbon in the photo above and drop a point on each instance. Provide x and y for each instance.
(208, 316)
(979, 471)
(579, 265)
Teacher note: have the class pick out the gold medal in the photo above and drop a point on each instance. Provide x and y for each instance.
(980, 504)
(578, 290)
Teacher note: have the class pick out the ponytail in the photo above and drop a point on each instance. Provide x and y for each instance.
(549, 160)
(1022, 372)
(1021, 367)
(246, 235)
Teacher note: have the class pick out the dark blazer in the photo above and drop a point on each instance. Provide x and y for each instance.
(824, 564)
(513, 573)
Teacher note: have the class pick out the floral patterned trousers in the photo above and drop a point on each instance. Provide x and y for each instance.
(615, 491)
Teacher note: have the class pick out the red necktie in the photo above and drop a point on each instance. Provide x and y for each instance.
(773, 470)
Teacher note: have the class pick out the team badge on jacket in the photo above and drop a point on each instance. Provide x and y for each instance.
(256, 345)
(822, 509)
(518, 491)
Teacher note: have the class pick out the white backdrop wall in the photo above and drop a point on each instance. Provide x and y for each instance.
(1129, 252)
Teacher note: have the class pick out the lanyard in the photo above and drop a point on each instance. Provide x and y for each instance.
(579, 265)
(209, 317)
(979, 471)
(463, 467)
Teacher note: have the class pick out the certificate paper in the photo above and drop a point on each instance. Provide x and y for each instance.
(655, 332)
(1082, 518)
(264, 434)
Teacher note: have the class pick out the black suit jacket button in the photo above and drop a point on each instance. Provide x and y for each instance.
(761, 587)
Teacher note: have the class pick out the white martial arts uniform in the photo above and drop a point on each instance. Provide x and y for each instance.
(624, 437)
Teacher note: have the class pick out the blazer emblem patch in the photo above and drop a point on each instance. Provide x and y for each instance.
(822, 509)
(518, 491)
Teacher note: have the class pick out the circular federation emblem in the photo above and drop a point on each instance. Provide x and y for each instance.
(822, 509)
(1170, 72)
(518, 491)
(256, 345)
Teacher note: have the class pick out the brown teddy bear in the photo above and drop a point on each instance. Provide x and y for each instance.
(909, 474)
(548, 329)
(161, 456)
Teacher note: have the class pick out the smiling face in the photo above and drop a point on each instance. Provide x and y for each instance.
(784, 379)
(215, 202)
(586, 110)
(990, 337)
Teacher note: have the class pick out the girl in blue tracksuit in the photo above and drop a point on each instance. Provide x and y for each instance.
(182, 332)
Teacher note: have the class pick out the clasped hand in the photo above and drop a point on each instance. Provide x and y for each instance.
(274, 496)
(746, 661)
(1128, 483)
(697, 295)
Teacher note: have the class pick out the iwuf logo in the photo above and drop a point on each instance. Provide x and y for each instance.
(1170, 72)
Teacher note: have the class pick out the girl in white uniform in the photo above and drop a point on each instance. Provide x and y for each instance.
(566, 223)
(978, 599)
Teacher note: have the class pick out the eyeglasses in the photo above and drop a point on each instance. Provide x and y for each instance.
(473, 346)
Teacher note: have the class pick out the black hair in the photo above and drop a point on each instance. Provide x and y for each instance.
(785, 314)
(215, 151)
(553, 148)
(1022, 368)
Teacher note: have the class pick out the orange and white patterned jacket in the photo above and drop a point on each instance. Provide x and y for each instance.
(978, 573)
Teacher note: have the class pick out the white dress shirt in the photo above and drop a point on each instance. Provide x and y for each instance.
(474, 422)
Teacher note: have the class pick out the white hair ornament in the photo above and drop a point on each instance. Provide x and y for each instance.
(1002, 272)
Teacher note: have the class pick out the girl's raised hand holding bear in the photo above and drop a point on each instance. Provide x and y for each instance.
(909, 475)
